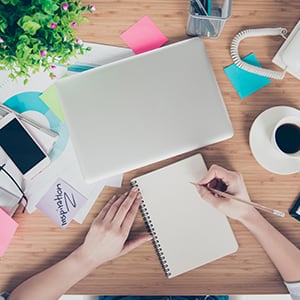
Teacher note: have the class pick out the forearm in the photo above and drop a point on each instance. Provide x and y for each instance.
(105, 240)
(53, 282)
(284, 254)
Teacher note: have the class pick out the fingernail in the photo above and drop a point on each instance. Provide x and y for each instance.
(200, 188)
(149, 238)
(125, 194)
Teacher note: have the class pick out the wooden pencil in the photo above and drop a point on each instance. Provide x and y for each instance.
(256, 205)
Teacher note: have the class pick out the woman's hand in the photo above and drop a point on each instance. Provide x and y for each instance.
(232, 182)
(107, 237)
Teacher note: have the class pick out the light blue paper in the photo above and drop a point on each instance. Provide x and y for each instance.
(244, 82)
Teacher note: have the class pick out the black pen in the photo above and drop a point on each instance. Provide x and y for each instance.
(198, 7)
(202, 7)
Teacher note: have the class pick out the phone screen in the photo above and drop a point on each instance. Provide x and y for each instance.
(19, 146)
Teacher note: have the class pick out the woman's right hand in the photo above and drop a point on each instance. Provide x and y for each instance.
(230, 182)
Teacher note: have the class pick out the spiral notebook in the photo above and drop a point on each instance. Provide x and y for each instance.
(187, 231)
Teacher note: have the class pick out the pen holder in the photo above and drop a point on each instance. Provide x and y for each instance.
(207, 17)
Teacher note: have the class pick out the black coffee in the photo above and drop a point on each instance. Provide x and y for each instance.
(287, 137)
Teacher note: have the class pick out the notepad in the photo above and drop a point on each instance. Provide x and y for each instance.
(8, 227)
(187, 231)
(244, 82)
(143, 36)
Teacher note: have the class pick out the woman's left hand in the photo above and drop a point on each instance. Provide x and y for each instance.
(107, 237)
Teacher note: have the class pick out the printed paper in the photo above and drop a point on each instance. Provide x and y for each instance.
(61, 203)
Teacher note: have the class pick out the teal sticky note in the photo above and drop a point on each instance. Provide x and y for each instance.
(244, 82)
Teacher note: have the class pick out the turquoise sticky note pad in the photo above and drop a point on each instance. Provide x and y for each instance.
(244, 82)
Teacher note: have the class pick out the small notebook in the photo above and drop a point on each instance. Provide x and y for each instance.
(187, 231)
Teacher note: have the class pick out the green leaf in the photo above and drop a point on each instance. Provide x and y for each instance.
(23, 20)
(31, 27)
(41, 18)
(3, 24)
(24, 39)
(49, 6)
(11, 2)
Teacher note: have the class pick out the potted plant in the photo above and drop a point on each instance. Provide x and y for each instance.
(39, 34)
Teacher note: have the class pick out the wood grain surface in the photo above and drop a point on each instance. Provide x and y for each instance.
(38, 243)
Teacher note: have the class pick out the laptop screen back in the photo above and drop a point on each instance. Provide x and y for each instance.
(143, 109)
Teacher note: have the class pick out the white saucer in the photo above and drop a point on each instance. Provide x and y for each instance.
(260, 141)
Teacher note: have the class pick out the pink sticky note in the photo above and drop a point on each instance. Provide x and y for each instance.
(8, 227)
(143, 36)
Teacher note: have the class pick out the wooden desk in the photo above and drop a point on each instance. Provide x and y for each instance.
(38, 243)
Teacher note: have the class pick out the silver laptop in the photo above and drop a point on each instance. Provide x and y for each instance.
(143, 109)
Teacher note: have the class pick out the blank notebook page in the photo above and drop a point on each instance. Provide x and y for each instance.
(188, 232)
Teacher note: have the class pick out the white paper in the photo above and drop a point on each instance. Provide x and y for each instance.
(61, 202)
(102, 54)
(115, 181)
(37, 82)
(65, 166)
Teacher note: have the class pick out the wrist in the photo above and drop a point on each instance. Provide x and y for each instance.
(83, 261)
(250, 218)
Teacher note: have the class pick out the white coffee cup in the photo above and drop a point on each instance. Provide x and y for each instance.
(286, 136)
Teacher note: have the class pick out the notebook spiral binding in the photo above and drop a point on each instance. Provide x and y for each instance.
(151, 228)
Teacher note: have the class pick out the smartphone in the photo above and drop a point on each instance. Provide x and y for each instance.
(294, 211)
(21, 147)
